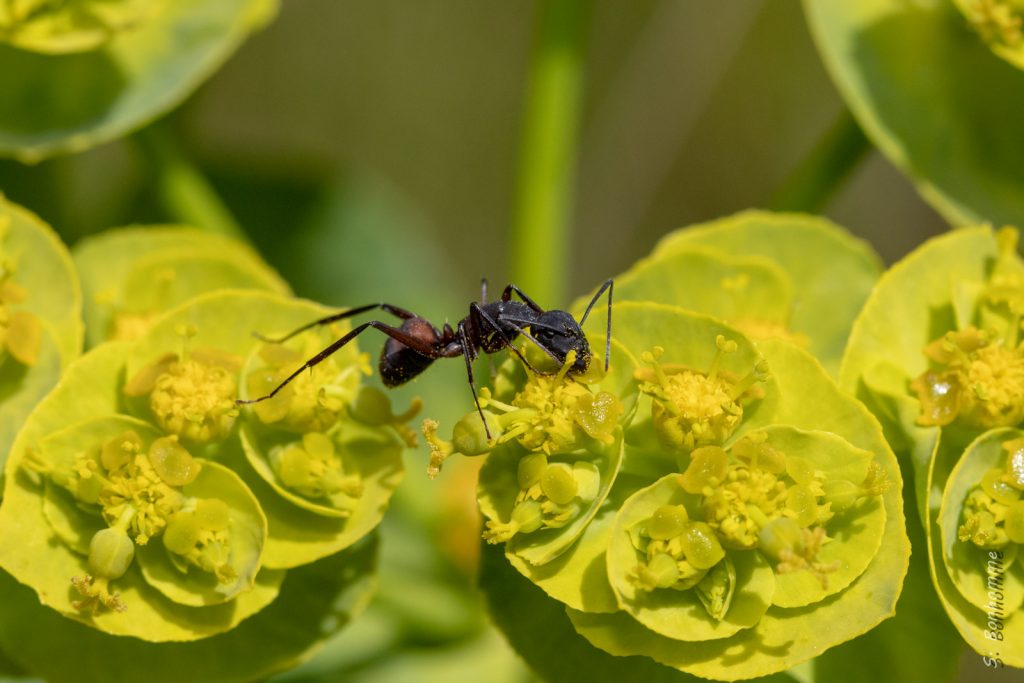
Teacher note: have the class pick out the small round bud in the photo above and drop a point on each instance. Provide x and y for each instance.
(558, 484)
(110, 553)
(841, 493)
(701, 545)
(318, 445)
(668, 521)
(120, 450)
(527, 516)
(371, 406)
(993, 484)
(531, 468)
(212, 514)
(708, 466)
(172, 462)
(182, 533)
(801, 501)
(294, 467)
(800, 470)
(469, 436)
(663, 570)
(780, 534)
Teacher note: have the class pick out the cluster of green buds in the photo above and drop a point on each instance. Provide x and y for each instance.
(164, 510)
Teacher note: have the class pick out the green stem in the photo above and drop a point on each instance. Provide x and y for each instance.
(185, 193)
(541, 229)
(821, 173)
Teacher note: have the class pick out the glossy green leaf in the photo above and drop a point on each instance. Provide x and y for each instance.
(931, 95)
(58, 103)
(131, 275)
(315, 601)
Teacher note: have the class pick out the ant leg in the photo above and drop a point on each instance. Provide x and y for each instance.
(474, 309)
(506, 295)
(418, 345)
(468, 355)
(609, 284)
(334, 317)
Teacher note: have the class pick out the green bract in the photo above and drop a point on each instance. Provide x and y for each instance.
(142, 59)
(40, 316)
(754, 522)
(793, 276)
(936, 354)
(951, 127)
(132, 275)
(129, 483)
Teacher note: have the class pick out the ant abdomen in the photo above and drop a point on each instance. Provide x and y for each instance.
(399, 363)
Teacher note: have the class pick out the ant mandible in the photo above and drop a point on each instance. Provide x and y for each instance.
(489, 327)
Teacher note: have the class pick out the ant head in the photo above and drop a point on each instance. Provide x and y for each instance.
(559, 333)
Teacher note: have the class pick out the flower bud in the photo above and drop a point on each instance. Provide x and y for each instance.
(110, 553)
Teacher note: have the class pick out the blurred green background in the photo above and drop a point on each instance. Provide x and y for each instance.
(371, 151)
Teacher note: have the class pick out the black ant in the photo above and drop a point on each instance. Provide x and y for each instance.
(489, 327)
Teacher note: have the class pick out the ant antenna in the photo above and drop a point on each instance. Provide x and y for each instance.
(609, 284)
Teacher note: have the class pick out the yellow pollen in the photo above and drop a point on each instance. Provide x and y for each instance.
(195, 400)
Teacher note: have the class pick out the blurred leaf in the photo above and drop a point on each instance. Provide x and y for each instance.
(315, 601)
(131, 275)
(62, 103)
(827, 274)
(38, 278)
(931, 95)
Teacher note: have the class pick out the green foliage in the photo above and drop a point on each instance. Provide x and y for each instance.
(132, 275)
(144, 58)
(950, 126)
